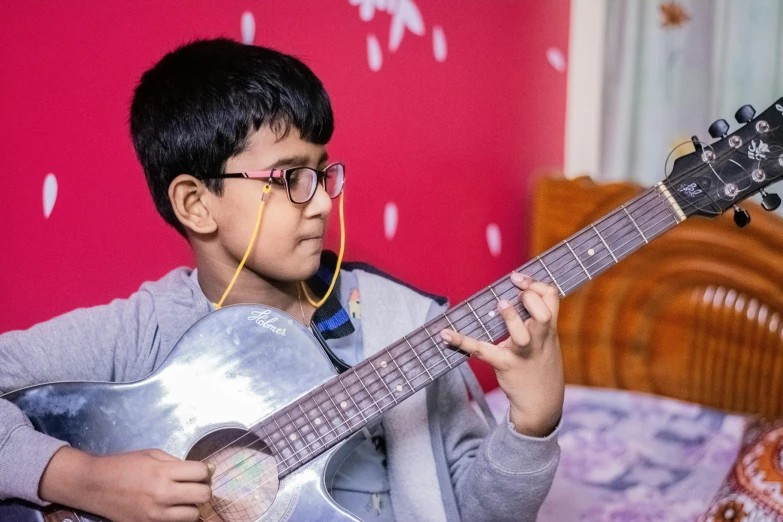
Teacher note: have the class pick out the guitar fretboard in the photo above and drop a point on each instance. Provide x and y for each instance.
(351, 400)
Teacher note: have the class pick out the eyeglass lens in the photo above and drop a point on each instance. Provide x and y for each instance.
(303, 182)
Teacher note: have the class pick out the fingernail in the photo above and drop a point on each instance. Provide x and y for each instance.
(517, 278)
(445, 336)
(503, 304)
(211, 469)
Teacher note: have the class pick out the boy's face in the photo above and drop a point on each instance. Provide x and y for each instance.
(290, 239)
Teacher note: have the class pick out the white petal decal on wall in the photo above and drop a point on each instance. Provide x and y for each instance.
(248, 28)
(493, 239)
(556, 59)
(439, 44)
(390, 220)
(366, 9)
(374, 56)
(407, 16)
(49, 194)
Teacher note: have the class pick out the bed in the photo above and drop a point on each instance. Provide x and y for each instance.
(668, 357)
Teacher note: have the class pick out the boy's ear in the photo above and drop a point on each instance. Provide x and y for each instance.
(187, 197)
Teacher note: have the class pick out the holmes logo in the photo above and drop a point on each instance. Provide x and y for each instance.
(261, 318)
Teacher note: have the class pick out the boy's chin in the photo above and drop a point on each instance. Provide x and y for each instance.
(310, 264)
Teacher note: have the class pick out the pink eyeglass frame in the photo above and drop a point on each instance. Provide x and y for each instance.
(282, 174)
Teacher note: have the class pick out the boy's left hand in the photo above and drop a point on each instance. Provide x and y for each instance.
(528, 364)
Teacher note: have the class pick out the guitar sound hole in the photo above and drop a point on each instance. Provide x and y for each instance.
(245, 481)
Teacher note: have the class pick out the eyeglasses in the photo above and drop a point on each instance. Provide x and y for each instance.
(300, 182)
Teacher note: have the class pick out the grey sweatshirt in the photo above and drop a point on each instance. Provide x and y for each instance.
(494, 474)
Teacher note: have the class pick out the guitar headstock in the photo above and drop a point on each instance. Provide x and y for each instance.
(719, 175)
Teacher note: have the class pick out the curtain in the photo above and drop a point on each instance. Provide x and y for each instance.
(665, 84)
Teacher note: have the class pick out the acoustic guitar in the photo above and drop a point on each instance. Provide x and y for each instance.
(249, 388)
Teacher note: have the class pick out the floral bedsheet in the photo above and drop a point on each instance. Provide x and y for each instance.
(628, 456)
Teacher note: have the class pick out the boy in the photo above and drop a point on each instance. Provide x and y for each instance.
(214, 107)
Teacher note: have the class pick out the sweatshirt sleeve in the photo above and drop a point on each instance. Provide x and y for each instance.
(95, 344)
(497, 473)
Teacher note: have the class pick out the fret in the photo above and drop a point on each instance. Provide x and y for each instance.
(283, 438)
(419, 358)
(326, 419)
(405, 377)
(604, 242)
(358, 377)
(342, 419)
(634, 223)
(383, 381)
(437, 345)
(356, 406)
(492, 339)
(492, 313)
(550, 275)
(318, 436)
(577, 259)
(298, 435)
(271, 444)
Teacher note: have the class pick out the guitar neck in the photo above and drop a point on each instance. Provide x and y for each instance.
(351, 400)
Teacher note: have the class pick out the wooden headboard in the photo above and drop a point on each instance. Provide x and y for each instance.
(697, 314)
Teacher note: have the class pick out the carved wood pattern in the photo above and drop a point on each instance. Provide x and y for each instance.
(696, 315)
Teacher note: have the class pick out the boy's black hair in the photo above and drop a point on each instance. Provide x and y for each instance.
(196, 107)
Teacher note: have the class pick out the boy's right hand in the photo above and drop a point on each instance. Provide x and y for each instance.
(142, 486)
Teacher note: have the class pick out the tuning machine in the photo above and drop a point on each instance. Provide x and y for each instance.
(719, 129)
(741, 217)
(769, 200)
(744, 114)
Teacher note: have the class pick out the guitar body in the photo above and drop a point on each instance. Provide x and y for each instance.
(231, 369)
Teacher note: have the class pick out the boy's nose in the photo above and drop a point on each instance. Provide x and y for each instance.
(321, 204)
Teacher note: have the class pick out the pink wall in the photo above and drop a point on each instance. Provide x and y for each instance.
(453, 143)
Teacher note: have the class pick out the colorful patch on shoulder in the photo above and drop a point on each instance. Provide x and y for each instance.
(354, 305)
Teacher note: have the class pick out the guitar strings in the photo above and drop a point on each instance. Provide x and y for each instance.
(422, 353)
(361, 383)
(460, 357)
(618, 214)
(359, 378)
(467, 314)
(350, 390)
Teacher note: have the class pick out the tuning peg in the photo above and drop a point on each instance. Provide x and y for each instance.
(719, 128)
(696, 143)
(741, 217)
(769, 200)
(744, 114)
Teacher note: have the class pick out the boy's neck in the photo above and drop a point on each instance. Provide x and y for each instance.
(250, 288)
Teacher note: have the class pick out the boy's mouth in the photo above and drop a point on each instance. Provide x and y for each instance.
(312, 240)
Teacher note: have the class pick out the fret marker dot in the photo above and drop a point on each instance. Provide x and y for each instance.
(317, 422)
(383, 364)
(343, 405)
(293, 436)
(591, 252)
(491, 313)
(399, 387)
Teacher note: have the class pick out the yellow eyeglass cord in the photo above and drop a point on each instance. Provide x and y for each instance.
(267, 190)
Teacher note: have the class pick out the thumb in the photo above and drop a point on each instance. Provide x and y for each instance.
(161, 455)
